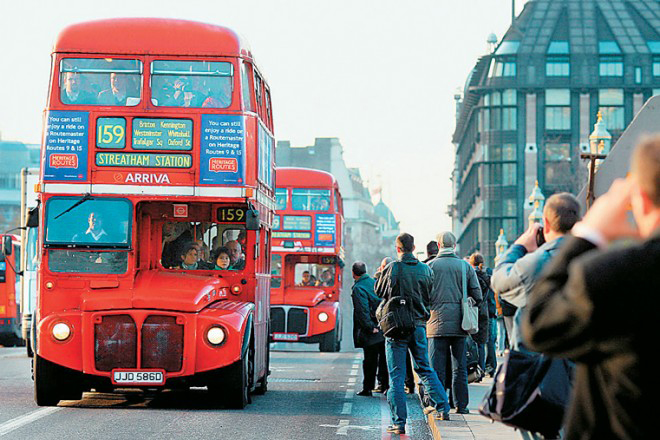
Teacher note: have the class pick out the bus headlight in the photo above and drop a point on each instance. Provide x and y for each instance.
(61, 331)
(215, 335)
(323, 316)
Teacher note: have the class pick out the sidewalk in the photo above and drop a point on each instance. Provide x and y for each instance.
(472, 426)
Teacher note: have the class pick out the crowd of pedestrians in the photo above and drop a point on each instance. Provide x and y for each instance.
(559, 291)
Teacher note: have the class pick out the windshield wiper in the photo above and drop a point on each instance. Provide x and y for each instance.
(86, 197)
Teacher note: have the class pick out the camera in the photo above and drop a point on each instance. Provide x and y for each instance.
(540, 238)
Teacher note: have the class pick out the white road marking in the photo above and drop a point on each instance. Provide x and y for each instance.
(352, 380)
(15, 423)
(343, 427)
(348, 407)
(349, 393)
(354, 372)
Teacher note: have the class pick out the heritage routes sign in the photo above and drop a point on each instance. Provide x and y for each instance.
(222, 150)
(65, 146)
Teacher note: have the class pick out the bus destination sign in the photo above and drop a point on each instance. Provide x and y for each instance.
(143, 160)
(162, 134)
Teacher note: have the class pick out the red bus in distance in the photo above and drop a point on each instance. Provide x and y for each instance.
(10, 312)
(158, 164)
(307, 264)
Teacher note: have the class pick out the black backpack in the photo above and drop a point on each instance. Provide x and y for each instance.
(395, 314)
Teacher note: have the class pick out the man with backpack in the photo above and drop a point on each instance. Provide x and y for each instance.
(405, 286)
(445, 330)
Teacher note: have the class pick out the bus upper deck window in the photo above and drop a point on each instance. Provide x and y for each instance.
(192, 84)
(100, 81)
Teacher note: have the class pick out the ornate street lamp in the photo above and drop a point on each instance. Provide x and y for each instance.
(501, 245)
(600, 142)
(536, 216)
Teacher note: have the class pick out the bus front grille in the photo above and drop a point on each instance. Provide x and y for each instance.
(162, 343)
(277, 320)
(115, 343)
(297, 321)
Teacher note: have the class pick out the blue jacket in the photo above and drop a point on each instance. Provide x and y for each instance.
(365, 303)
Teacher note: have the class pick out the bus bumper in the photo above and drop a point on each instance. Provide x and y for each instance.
(291, 323)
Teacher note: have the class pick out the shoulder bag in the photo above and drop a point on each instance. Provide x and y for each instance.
(470, 323)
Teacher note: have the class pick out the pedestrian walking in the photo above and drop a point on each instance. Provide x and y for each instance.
(446, 335)
(520, 266)
(366, 334)
(595, 304)
(482, 336)
(491, 356)
(413, 281)
(431, 251)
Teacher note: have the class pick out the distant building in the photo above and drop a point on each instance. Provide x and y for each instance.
(529, 106)
(13, 156)
(368, 227)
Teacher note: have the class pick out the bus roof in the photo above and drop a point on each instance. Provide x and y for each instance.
(150, 36)
(304, 178)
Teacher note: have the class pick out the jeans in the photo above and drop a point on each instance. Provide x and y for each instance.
(482, 356)
(491, 360)
(396, 352)
(440, 349)
(374, 361)
(501, 335)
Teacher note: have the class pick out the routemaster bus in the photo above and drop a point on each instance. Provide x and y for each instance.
(157, 158)
(307, 263)
(10, 311)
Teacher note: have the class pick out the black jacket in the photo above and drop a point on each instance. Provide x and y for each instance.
(597, 308)
(481, 337)
(365, 303)
(415, 281)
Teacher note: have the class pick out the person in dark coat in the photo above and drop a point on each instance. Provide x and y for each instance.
(366, 334)
(431, 251)
(596, 305)
(446, 335)
(481, 337)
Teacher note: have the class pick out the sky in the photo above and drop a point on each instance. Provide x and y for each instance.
(379, 75)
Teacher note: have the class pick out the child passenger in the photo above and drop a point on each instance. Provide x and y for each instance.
(220, 258)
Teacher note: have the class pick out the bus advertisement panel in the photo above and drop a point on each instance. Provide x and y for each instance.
(154, 246)
(307, 263)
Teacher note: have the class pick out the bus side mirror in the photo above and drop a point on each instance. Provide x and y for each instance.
(32, 218)
(6, 245)
(252, 220)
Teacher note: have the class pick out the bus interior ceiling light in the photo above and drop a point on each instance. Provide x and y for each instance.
(61, 331)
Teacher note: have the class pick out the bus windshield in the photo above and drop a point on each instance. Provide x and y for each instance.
(102, 222)
(312, 274)
(100, 81)
(194, 84)
(304, 199)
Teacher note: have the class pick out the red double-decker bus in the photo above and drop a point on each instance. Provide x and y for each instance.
(157, 165)
(307, 262)
(10, 313)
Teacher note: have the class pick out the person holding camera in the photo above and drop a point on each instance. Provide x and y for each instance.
(521, 265)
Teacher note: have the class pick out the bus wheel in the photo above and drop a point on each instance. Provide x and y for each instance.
(46, 383)
(235, 385)
(28, 348)
(262, 386)
(330, 342)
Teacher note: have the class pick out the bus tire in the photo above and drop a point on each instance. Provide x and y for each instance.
(46, 383)
(238, 395)
(330, 342)
(28, 348)
(262, 386)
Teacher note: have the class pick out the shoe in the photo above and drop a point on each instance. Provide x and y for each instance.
(364, 393)
(396, 429)
(463, 411)
(443, 416)
(380, 390)
(428, 410)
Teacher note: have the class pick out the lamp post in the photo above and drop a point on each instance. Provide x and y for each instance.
(600, 141)
(537, 200)
(500, 245)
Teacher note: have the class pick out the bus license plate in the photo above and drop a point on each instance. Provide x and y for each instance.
(285, 337)
(138, 377)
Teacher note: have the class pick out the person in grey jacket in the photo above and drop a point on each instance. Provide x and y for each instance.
(520, 266)
(444, 329)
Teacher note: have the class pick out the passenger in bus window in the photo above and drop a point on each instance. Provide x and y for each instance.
(72, 92)
(175, 236)
(221, 259)
(203, 253)
(236, 255)
(307, 280)
(189, 259)
(183, 95)
(327, 279)
(117, 93)
(94, 232)
(219, 93)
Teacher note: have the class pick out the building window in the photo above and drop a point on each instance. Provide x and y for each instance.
(610, 104)
(638, 75)
(558, 165)
(499, 112)
(557, 109)
(557, 151)
(501, 174)
(611, 61)
(501, 152)
(557, 63)
(656, 66)
(502, 67)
